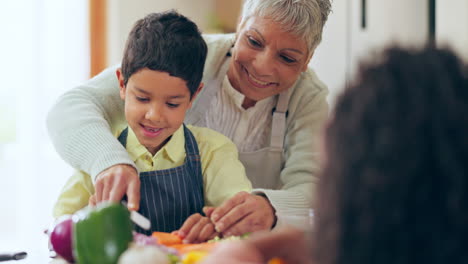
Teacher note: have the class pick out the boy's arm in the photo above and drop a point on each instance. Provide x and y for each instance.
(81, 122)
(228, 188)
(75, 194)
(223, 173)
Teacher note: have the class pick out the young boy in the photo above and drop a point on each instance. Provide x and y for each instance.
(182, 169)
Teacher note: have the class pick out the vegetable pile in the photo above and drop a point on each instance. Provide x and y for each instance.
(103, 235)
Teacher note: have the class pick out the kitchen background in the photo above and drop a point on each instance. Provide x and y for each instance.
(46, 48)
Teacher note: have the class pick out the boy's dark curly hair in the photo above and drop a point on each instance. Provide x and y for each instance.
(167, 42)
(394, 187)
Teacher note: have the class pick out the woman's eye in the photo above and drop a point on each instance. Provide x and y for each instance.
(172, 105)
(142, 99)
(254, 43)
(287, 59)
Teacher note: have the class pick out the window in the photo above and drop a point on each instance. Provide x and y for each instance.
(44, 51)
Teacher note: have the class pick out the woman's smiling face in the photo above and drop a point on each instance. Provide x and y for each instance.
(266, 59)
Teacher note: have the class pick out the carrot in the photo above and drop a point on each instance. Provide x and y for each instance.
(167, 239)
(185, 248)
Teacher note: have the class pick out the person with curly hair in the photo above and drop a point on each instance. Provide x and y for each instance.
(394, 181)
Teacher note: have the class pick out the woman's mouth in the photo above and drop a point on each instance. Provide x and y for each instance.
(255, 81)
(151, 131)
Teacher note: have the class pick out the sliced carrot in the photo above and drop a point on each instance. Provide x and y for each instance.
(185, 248)
(167, 239)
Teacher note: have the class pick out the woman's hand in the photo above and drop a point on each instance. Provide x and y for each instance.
(113, 183)
(197, 229)
(243, 213)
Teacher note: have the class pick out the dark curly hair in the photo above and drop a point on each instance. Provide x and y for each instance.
(394, 185)
(167, 42)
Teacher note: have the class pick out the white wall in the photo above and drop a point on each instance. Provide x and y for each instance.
(122, 14)
(452, 25)
(330, 60)
(345, 43)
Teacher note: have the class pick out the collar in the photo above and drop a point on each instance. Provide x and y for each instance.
(174, 149)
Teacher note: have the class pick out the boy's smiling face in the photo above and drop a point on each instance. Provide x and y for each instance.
(155, 105)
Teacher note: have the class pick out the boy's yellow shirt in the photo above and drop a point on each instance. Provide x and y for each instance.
(223, 173)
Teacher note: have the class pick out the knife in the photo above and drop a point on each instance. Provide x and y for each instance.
(13, 256)
(139, 219)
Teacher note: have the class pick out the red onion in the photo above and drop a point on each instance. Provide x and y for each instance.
(61, 238)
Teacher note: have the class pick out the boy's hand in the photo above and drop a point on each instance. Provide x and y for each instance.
(113, 183)
(208, 210)
(196, 229)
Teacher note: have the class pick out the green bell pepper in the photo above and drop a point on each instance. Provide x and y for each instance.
(101, 234)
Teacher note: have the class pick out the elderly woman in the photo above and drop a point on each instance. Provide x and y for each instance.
(258, 91)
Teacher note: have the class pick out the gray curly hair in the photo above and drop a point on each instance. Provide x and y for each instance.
(303, 18)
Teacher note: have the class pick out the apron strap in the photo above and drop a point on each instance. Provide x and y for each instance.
(123, 137)
(191, 145)
(278, 124)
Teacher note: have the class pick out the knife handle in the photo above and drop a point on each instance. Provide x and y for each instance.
(5, 257)
(14, 256)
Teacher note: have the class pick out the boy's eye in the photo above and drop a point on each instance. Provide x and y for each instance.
(287, 59)
(254, 43)
(142, 99)
(172, 105)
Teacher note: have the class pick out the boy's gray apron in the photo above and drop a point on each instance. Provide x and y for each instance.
(169, 197)
(263, 166)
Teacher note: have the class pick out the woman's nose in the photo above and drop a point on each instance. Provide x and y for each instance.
(264, 64)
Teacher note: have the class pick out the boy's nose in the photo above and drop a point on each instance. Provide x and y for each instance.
(154, 114)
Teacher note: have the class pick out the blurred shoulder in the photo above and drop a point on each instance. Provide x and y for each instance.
(309, 94)
(310, 83)
(219, 40)
(218, 47)
(107, 78)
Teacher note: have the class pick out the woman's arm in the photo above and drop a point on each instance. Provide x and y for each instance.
(81, 125)
(307, 115)
(81, 122)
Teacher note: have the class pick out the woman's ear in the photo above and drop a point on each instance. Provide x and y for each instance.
(196, 93)
(120, 78)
